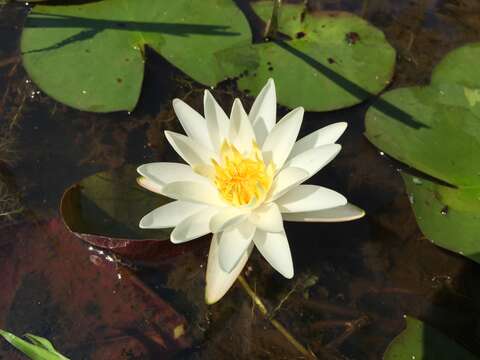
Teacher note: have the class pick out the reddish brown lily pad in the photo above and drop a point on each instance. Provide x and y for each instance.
(89, 306)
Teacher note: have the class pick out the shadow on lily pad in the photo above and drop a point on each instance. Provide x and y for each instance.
(93, 27)
(360, 93)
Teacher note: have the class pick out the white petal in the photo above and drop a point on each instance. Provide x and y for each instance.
(217, 121)
(169, 215)
(337, 214)
(192, 122)
(190, 151)
(241, 133)
(315, 159)
(263, 113)
(233, 243)
(267, 218)
(310, 198)
(194, 226)
(207, 172)
(279, 142)
(226, 218)
(193, 191)
(275, 249)
(324, 136)
(163, 173)
(218, 280)
(149, 185)
(285, 180)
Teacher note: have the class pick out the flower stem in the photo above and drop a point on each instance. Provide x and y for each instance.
(263, 309)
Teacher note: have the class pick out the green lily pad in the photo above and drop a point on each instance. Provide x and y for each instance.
(91, 56)
(420, 341)
(445, 146)
(333, 59)
(447, 225)
(467, 74)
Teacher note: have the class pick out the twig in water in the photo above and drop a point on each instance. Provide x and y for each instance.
(322, 307)
(351, 327)
(11, 60)
(13, 212)
(302, 284)
(9, 205)
(263, 309)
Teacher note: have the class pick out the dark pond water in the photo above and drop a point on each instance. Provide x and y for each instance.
(354, 281)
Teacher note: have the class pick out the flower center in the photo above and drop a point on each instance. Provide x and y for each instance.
(242, 179)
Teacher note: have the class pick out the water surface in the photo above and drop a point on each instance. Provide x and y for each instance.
(354, 281)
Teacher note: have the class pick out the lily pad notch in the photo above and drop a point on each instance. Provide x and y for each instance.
(331, 60)
(90, 56)
(446, 148)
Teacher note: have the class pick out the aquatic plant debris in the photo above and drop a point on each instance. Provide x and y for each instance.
(446, 148)
(419, 341)
(322, 61)
(37, 349)
(91, 56)
(243, 179)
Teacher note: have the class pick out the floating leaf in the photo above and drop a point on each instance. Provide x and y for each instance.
(446, 146)
(459, 67)
(333, 60)
(419, 341)
(91, 56)
(39, 348)
(450, 227)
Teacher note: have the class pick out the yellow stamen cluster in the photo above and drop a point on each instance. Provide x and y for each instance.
(242, 179)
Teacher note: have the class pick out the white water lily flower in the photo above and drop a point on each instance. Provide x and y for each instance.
(242, 181)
